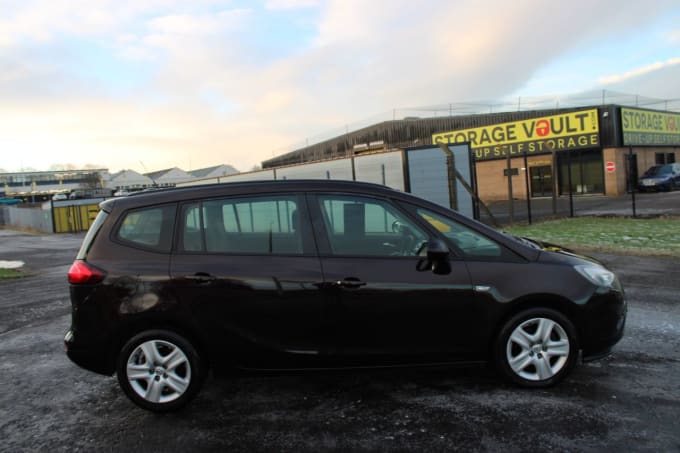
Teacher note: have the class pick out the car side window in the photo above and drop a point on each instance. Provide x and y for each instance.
(471, 243)
(149, 228)
(251, 225)
(366, 226)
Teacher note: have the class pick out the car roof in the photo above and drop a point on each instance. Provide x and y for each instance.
(158, 196)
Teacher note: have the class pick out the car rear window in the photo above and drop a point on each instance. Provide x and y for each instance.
(149, 228)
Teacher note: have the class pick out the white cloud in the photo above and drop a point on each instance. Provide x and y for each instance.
(290, 4)
(637, 72)
(204, 24)
(674, 36)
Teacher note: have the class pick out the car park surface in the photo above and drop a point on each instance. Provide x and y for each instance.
(626, 402)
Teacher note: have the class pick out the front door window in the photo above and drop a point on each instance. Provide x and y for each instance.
(362, 226)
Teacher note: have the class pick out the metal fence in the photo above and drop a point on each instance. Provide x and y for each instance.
(32, 217)
(525, 211)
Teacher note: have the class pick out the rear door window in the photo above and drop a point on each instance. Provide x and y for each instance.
(245, 225)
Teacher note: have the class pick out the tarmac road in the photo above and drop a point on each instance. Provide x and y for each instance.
(629, 401)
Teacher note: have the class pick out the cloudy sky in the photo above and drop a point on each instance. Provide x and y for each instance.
(153, 84)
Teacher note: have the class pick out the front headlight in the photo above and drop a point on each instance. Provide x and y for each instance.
(598, 275)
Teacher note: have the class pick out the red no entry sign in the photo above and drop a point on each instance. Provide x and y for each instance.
(610, 166)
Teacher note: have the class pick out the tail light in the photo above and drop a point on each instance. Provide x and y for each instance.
(82, 273)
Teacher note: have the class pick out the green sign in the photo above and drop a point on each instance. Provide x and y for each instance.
(650, 128)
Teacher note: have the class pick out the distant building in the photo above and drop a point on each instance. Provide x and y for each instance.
(577, 150)
(169, 177)
(130, 180)
(50, 182)
(42, 185)
(214, 172)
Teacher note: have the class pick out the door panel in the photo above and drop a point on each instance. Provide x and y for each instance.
(397, 312)
(257, 310)
(380, 306)
(248, 269)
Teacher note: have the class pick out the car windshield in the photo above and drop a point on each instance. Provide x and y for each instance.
(659, 170)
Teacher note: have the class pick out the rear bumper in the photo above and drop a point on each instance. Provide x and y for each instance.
(95, 359)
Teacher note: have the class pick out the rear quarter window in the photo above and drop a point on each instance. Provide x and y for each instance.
(148, 228)
(91, 234)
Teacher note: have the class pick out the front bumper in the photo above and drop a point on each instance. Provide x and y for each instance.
(604, 324)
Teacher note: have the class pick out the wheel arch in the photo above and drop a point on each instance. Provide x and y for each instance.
(137, 325)
(555, 302)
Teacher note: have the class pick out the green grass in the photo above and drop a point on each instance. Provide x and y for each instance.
(658, 236)
(11, 273)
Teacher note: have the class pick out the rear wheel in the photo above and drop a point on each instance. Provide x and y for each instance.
(160, 370)
(536, 348)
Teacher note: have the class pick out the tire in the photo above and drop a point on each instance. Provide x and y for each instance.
(529, 358)
(160, 370)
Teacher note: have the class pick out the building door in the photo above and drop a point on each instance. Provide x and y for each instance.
(541, 181)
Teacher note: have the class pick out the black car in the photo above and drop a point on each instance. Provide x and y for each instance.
(660, 177)
(322, 274)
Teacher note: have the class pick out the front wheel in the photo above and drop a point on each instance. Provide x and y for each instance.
(536, 348)
(159, 370)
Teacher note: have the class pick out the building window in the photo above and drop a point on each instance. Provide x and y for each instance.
(664, 158)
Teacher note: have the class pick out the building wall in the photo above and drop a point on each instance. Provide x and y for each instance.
(615, 182)
(493, 184)
(647, 156)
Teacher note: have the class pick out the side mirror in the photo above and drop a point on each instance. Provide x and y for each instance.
(437, 258)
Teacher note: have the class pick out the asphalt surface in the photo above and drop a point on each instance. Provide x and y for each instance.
(629, 401)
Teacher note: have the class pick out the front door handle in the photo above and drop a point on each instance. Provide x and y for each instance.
(350, 282)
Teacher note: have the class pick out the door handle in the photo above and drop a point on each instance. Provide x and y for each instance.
(346, 283)
(201, 277)
(350, 282)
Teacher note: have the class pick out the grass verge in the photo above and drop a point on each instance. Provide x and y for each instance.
(635, 236)
(11, 273)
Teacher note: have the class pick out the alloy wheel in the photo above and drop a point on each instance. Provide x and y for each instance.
(537, 349)
(158, 371)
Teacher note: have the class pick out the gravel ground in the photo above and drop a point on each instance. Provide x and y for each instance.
(629, 401)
